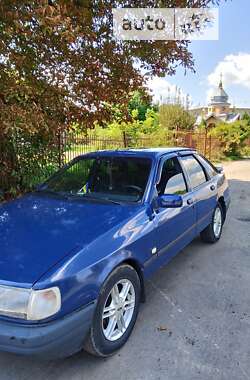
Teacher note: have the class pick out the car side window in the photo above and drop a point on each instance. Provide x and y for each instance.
(194, 170)
(210, 169)
(172, 180)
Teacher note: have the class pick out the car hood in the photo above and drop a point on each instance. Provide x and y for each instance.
(37, 231)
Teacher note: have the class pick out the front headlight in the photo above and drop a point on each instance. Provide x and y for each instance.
(28, 303)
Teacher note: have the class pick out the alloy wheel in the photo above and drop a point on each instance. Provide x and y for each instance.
(217, 224)
(118, 310)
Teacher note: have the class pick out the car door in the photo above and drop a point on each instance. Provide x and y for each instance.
(204, 190)
(174, 227)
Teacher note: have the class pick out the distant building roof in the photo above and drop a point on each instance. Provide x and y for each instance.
(226, 118)
(232, 117)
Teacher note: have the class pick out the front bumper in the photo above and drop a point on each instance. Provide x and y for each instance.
(56, 339)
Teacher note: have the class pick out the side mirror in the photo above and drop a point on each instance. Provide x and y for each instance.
(219, 168)
(169, 201)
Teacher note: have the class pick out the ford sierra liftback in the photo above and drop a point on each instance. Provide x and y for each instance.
(75, 253)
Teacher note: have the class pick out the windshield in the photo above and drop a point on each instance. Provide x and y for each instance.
(118, 179)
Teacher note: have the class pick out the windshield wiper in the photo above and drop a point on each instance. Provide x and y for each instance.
(107, 200)
(95, 199)
(77, 196)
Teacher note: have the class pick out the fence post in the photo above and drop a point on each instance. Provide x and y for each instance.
(176, 136)
(205, 143)
(59, 150)
(210, 147)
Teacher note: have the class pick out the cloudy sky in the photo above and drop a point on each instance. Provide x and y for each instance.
(229, 55)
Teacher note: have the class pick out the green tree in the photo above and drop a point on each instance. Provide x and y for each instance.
(141, 102)
(246, 117)
(172, 116)
(232, 136)
(151, 123)
(133, 128)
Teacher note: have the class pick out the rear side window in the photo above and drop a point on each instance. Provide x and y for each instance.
(210, 169)
(194, 170)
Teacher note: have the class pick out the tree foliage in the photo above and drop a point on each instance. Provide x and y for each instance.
(232, 136)
(246, 117)
(142, 103)
(59, 61)
(173, 116)
(133, 129)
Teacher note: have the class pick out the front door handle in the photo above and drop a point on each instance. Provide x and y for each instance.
(190, 201)
(212, 187)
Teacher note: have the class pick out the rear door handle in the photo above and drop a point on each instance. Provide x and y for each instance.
(190, 201)
(212, 187)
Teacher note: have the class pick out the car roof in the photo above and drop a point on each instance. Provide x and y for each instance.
(142, 152)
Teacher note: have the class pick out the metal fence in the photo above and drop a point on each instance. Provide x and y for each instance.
(72, 145)
(30, 162)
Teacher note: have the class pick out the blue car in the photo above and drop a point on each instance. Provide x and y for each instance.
(75, 253)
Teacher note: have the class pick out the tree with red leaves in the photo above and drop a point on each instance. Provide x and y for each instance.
(60, 62)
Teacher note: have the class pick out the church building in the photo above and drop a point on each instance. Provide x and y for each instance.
(218, 110)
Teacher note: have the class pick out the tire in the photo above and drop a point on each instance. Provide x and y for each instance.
(101, 341)
(210, 234)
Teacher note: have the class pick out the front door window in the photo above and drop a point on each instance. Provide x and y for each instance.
(172, 179)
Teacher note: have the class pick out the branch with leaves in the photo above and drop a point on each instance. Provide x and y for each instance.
(59, 61)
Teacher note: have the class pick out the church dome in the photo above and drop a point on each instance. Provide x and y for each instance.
(220, 96)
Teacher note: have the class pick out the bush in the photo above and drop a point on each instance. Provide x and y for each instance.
(26, 160)
(232, 136)
(174, 116)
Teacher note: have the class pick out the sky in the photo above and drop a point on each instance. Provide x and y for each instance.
(230, 55)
